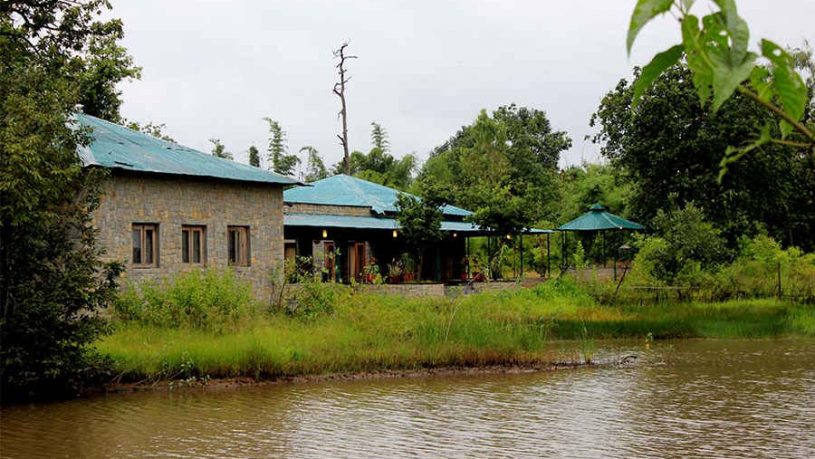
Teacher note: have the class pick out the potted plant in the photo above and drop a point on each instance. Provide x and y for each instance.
(409, 267)
(395, 271)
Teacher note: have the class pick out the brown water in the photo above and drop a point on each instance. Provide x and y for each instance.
(688, 398)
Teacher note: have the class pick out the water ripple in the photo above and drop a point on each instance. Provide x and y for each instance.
(691, 398)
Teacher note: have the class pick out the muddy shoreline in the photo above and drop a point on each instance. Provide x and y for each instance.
(241, 382)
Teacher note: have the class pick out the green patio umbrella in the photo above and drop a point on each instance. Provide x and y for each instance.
(598, 219)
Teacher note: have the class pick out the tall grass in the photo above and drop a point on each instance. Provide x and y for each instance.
(367, 332)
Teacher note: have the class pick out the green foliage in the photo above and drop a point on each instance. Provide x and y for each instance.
(502, 167)
(219, 150)
(254, 156)
(52, 282)
(668, 149)
(761, 264)
(315, 167)
(379, 137)
(420, 224)
(202, 299)
(149, 128)
(716, 52)
(378, 165)
(279, 159)
(370, 332)
(687, 246)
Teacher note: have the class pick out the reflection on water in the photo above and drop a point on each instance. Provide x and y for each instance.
(690, 398)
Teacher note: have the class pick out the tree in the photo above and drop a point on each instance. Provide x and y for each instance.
(219, 150)
(149, 128)
(52, 282)
(379, 137)
(378, 165)
(339, 90)
(315, 167)
(670, 145)
(420, 224)
(279, 159)
(254, 156)
(721, 65)
(502, 167)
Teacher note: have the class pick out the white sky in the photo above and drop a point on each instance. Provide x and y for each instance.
(215, 68)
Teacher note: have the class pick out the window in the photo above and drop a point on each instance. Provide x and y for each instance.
(145, 245)
(238, 245)
(193, 245)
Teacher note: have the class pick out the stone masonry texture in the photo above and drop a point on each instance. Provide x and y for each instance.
(172, 202)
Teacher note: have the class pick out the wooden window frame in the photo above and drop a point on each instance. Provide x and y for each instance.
(243, 252)
(142, 229)
(187, 232)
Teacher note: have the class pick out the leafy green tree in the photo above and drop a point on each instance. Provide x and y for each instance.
(254, 156)
(420, 224)
(378, 165)
(715, 49)
(669, 148)
(219, 150)
(279, 159)
(685, 246)
(315, 167)
(379, 137)
(150, 128)
(503, 167)
(52, 282)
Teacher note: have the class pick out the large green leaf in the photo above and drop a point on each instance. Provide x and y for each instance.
(697, 60)
(726, 79)
(737, 30)
(759, 80)
(643, 13)
(654, 69)
(787, 83)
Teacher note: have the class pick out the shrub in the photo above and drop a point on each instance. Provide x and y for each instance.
(202, 299)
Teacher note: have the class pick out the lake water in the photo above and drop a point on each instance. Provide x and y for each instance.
(719, 398)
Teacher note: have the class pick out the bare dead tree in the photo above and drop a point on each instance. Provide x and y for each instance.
(339, 90)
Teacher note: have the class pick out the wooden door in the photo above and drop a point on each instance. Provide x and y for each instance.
(356, 260)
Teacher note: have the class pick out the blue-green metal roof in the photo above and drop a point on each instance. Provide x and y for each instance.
(376, 223)
(597, 219)
(117, 147)
(345, 190)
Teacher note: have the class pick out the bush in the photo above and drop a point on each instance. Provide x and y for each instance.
(755, 272)
(202, 299)
(312, 298)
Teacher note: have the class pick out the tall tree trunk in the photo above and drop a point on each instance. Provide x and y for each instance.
(339, 90)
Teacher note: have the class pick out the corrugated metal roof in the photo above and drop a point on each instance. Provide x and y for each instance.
(345, 190)
(348, 221)
(597, 219)
(118, 147)
(381, 223)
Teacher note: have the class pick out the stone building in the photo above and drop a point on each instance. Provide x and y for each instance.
(348, 227)
(167, 209)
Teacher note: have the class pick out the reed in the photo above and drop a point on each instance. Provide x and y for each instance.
(367, 332)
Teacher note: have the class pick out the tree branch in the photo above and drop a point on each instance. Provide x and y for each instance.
(778, 111)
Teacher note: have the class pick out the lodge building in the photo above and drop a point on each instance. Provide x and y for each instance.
(168, 209)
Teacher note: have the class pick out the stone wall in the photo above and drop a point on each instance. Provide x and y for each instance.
(408, 290)
(172, 202)
(354, 211)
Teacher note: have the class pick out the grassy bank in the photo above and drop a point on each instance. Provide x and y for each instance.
(363, 332)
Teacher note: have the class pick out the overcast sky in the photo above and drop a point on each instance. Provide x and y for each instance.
(425, 68)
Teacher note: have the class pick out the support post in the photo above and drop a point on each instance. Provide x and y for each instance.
(548, 255)
(521, 238)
